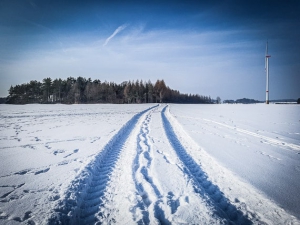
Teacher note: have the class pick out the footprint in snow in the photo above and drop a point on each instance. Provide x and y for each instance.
(58, 151)
(42, 171)
(22, 172)
(37, 139)
(54, 197)
(95, 139)
(173, 202)
(26, 216)
(74, 151)
(3, 215)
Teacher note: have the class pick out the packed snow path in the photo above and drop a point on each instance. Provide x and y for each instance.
(216, 198)
(124, 164)
(151, 172)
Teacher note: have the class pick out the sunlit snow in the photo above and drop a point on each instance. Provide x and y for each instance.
(149, 164)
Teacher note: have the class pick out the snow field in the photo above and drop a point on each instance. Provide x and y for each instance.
(258, 143)
(221, 205)
(43, 148)
(165, 193)
(254, 204)
(98, 194)
(137, 164)
(84, 196)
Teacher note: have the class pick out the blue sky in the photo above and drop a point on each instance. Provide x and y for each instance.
(211, 48)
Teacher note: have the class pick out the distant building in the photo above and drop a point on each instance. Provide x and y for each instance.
(247, 101)
(228, 101)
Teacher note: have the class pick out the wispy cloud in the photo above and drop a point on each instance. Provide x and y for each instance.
(118, 30)
(40, 26)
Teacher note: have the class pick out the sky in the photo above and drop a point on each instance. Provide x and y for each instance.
(212, 48)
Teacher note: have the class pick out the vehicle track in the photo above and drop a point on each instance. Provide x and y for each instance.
(85, 195)
(221, 205)
(269, 140)
(145, 183)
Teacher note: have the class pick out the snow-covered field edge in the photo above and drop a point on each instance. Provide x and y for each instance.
(230, 195)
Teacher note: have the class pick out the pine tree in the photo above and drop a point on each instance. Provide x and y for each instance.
(47, 85)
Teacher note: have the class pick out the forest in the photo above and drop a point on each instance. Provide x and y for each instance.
(82, 90)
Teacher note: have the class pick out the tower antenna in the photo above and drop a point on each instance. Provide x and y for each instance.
(267, 73)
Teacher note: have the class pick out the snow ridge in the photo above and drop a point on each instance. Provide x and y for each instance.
(144, 180)
(219, 203)
(85, 194)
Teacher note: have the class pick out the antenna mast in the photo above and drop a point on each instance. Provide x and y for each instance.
(267, 73)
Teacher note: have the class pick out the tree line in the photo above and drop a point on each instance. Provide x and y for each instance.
(82, 90)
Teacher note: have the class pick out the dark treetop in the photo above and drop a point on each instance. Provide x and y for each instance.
(82, 90)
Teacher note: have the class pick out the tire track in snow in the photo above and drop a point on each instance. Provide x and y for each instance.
(85, 194)
(221, 205)
(268, 140)
(150, 195)
(265, 138)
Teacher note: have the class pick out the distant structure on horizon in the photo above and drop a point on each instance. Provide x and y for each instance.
(267, 73)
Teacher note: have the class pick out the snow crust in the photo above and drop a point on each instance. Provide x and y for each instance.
(148, 164)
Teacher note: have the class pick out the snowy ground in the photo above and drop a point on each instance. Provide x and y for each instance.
(148, 164)
(260, 143)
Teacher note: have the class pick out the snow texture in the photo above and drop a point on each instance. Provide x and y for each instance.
(149, 164)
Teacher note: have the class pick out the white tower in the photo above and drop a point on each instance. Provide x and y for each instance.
(267, 72)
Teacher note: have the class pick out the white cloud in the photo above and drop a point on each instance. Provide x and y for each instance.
(118, 30)
(188, 61)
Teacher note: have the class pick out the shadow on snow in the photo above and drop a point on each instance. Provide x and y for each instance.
(220, 204)
(85, 195)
